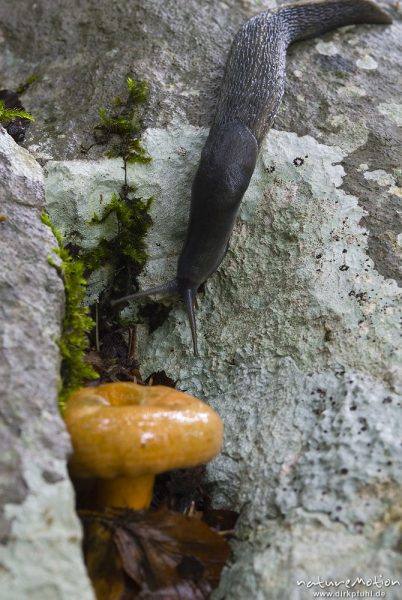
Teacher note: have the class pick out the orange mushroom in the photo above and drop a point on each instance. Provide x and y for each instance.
(124, 434)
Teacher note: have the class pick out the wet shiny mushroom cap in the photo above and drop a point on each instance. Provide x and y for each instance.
(127, 430)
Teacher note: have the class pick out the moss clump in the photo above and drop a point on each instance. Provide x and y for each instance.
(126, 251)
(77, 323)
(22, 88)
(8, 115)
(341, 74)
(122, 122)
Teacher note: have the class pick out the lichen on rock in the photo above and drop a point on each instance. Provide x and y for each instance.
(299, 273)
(299, 329)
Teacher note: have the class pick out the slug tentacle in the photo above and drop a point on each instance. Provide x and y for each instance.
(171, 287)
(189, 295)
(249, 98)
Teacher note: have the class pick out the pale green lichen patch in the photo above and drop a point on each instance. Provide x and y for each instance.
(348, 134)
(367, 62)
(393, 111)
(76, 191)
(380, 176)
(384, 179)
(352, 91)
(310, 236)
(326, 48)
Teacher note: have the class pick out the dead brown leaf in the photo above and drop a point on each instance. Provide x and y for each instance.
(149, 555)
(103, 562)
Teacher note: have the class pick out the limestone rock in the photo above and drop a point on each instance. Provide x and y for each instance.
(300, 327)
(40, 535)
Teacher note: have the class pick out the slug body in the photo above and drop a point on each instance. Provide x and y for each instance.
(249, 98)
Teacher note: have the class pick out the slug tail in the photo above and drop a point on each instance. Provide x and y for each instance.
(372, 13)
(170, 287)
(189, 301)
(306, 20)
(254, 79)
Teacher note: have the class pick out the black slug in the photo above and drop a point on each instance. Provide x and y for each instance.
(249, 98)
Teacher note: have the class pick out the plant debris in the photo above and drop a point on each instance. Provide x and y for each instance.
(180, 490)
(139, 555)
(160, 378)
(115, 361)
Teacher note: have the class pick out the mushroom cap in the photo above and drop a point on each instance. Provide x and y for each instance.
(125, 429)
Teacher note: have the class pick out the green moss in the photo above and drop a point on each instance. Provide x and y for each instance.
(22, 88)
(10, 114)
(341, 74)
(77, 323)
(122, 123)
(133, 222)
(126, 251)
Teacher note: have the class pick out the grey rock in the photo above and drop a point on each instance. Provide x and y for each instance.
(300, 328)
(39, 531)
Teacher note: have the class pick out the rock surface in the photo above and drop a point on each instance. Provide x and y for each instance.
(40, 535)
(300, 328)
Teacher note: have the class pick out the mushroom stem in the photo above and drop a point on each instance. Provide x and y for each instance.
(125, 492)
